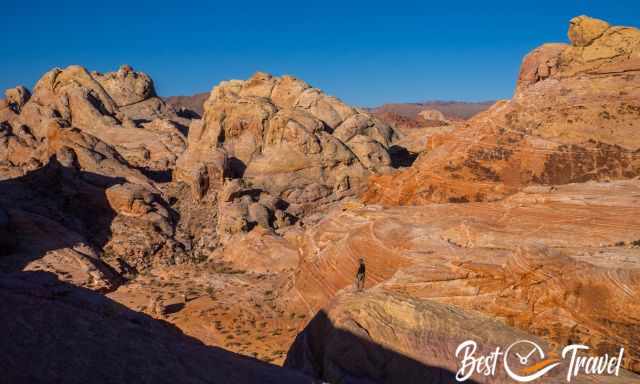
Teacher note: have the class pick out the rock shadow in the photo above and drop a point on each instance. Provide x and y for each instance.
(236, 168)
(187, 113)
(57, 207)
(401, 157)
(356, 360)
(51, 208)
(159, 176)
(54, 332)
(173, 308)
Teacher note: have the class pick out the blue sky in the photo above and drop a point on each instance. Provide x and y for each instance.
(365, 52)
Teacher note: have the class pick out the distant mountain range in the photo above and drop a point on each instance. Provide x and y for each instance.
(192, 103)
(451, 109)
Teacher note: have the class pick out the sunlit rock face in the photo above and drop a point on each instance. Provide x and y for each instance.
(107, 107)
(574, 117)
(382, 337)
(559, 262)
(287, 138)
(274, 151)
(255, 216)
(268, 152)
(81, 150)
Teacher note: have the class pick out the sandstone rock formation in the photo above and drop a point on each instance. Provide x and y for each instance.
(584, 30)
(573, 117)
(126, 86)
(433, 115)
(379, 337)
(399, 121)
(17, 97)
(286, 138)
(191, 106)
(452, 110)
(70, 144)
(70, 221)
(268, 153)
(242, 229)
(276, 150)
(39, 236)
(143, 231)
(557, 262)
(74, 98)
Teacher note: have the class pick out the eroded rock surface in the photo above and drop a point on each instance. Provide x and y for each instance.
(269, 153)
(557, 262)
(94, 104)
(434, 117)
(573, 117)
(69, 153)
(277, 150)
(54, 220)
(381, 337)
(126, 86)
(287, 138)
(246, 226)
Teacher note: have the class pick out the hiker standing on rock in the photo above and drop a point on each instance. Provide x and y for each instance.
(360, 276)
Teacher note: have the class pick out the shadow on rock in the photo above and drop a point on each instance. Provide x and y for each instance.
(338, 356)
(86, 227)
(56, 332)
(51, 208)
(401, 157)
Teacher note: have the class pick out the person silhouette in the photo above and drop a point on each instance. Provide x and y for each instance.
(360, 276)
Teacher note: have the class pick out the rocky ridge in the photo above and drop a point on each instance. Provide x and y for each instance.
(272, 152)
(573, 118)
(269, 150)
(241, 226)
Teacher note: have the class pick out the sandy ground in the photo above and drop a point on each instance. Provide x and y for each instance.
(236, 310)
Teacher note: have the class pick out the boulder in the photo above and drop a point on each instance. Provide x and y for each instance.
(540, 63)
(260, 215)
(371, 154)
(433, 115)
(583, 30)
(129, 199)
(17, 97)
(143, 230)
(126, 86)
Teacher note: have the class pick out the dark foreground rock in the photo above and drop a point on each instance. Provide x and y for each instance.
(379, 337)
(54, 332)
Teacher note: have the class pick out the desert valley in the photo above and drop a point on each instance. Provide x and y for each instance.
(216, 238)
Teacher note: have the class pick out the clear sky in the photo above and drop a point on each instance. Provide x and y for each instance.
(365, 52)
